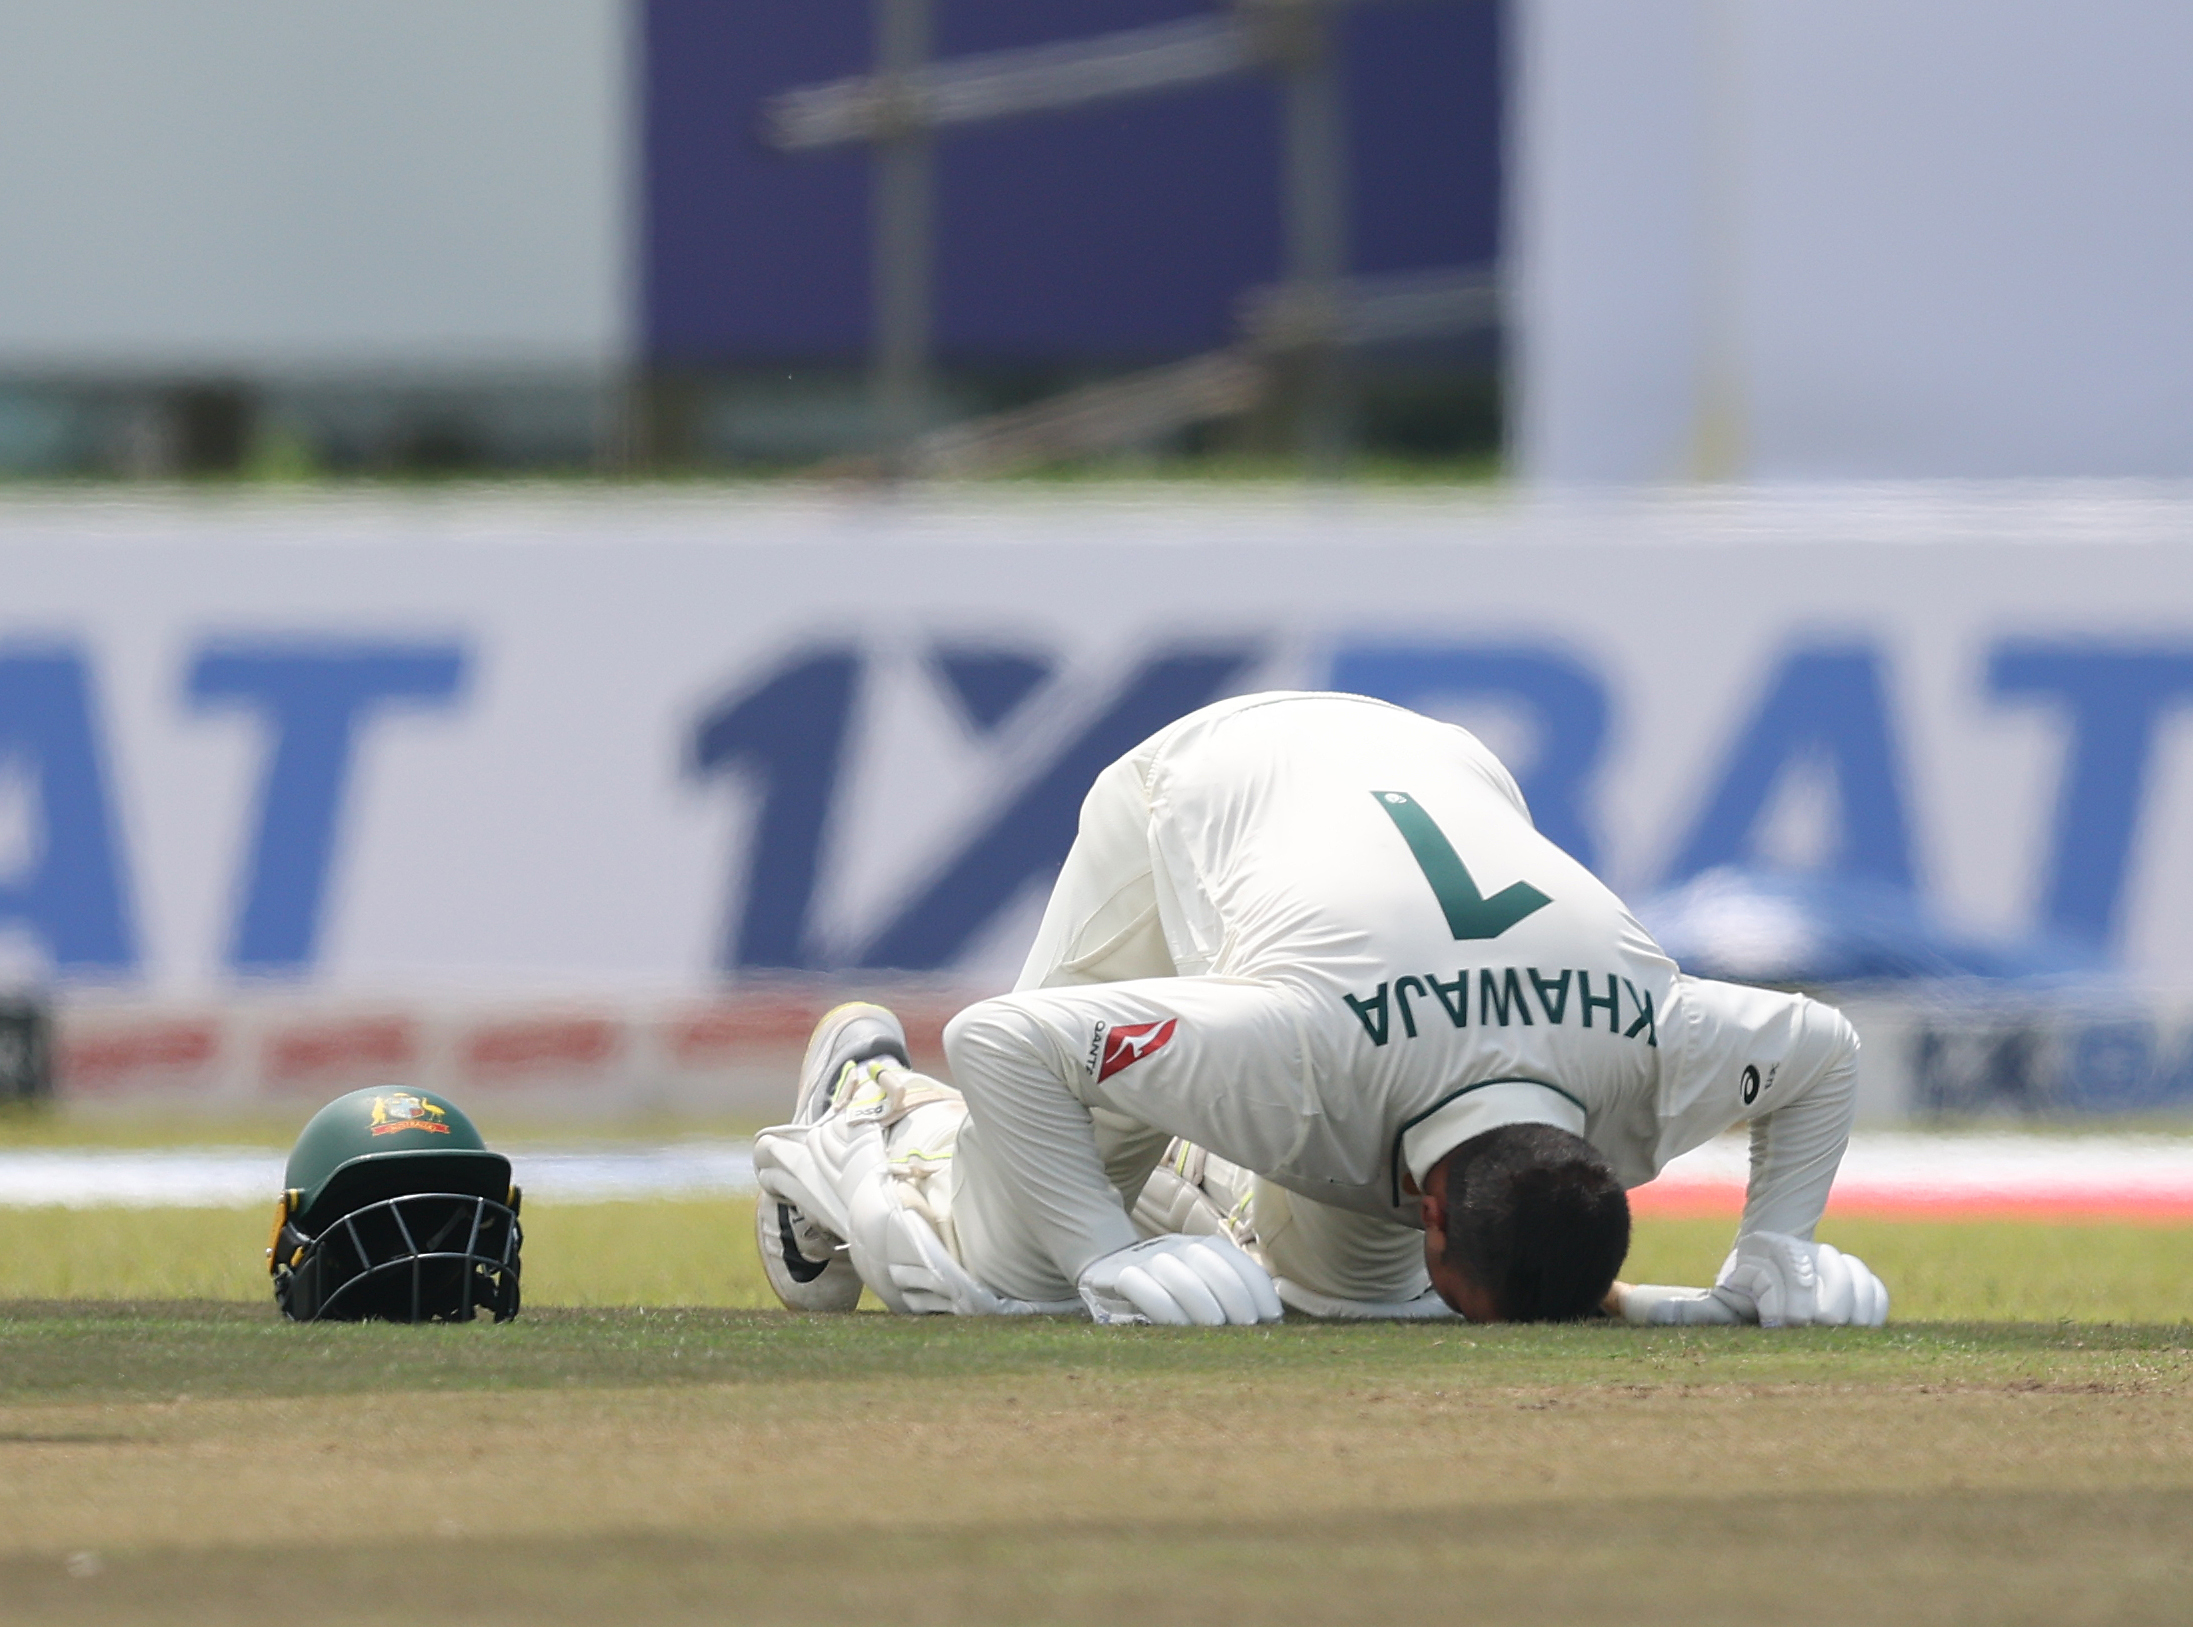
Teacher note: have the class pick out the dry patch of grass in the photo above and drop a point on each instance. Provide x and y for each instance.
(1984, 1559)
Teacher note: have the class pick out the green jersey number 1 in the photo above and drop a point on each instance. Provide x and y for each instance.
(1470, 914)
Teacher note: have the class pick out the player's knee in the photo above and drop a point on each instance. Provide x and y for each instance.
(985, 1034)
(1536, 1218)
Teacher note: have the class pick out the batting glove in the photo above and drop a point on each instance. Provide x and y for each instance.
(1775, 1281)
(933, 1283)
(1788, 1282)
(1180, 1281)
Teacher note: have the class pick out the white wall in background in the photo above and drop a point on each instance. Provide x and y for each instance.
(253, 185)
(1862, 239)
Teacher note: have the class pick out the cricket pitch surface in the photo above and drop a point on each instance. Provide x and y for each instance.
(200, 1461)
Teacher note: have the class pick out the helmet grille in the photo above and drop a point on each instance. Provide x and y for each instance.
(420, 1257)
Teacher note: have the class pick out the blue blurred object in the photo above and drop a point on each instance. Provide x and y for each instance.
(1766, 926)
(1125, 231)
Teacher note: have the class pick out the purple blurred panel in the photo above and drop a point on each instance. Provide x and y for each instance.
(1123, 231)
(1425, 116)
(748, 255)
(966, 26)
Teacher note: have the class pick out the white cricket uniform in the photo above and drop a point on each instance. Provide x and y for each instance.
(1318, 936)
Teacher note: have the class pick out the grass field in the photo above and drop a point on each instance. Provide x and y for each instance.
(170, 1452)
(701, 1253)
(190, 1463)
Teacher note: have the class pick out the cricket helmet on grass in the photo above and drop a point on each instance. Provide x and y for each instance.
(394, 1210)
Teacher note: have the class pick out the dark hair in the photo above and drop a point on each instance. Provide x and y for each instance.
(1536, 1218)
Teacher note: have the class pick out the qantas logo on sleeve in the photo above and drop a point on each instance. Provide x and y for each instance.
(1124, 1047)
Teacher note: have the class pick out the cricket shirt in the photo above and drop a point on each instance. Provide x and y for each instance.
(1375, 956)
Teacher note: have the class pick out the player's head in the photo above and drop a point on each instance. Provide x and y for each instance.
(1524, 1223)
(393, 1209)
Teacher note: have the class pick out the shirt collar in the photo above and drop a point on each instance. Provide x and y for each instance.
(1473, 1110)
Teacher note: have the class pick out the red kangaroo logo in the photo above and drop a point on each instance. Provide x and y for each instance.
(1124, 1047)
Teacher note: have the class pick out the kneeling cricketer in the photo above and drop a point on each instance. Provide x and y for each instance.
(1315, 1018)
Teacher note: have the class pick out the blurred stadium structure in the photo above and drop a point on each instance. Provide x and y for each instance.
(410, 238)
(1862, 241)
(1302, 325)
(589, 793)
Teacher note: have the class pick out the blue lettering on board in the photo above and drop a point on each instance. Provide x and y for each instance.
(1825, 702)
(314, 697)
(2113, 697)
(789, 731)
(1566, 699)
(72, 895)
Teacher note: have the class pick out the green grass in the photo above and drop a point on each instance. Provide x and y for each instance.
(58, 1350)
(659, 1253)
(135, 1129)
(1972, 1271)
(701, 1253)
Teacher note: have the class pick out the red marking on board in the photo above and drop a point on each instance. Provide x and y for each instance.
(307, 1053)
(110, 1059)
(544, 1044)
(1124, 1047)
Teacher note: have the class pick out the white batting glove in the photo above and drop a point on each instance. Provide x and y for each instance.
(934, 1284)
(1180, 1281)
(1785, 1281)
(1773, 1280)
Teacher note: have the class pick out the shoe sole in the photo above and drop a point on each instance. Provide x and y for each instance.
(829, 1285)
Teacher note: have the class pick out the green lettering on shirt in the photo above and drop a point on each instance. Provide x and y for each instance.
(1455, 996)
(1547, 989)
(1495, 998)
(1365, 1009)
(1401, 987)
(1644, 1024)
(1470, 914)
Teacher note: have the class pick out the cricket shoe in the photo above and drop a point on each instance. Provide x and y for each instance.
(852, 1033)
(807, 1263)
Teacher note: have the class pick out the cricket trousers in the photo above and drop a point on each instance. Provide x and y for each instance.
(1104, 925)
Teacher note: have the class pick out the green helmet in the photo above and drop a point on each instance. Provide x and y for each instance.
(394, 1209)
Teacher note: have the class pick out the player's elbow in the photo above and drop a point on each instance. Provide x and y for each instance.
(1837, 1035)
(1824, 1058)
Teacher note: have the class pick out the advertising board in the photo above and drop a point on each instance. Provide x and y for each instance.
(474, 750)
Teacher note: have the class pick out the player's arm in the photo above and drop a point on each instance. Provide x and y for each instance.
(1797, 1148)
(1777, 1274)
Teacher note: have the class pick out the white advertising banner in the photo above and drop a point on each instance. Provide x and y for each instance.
(470, 750)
